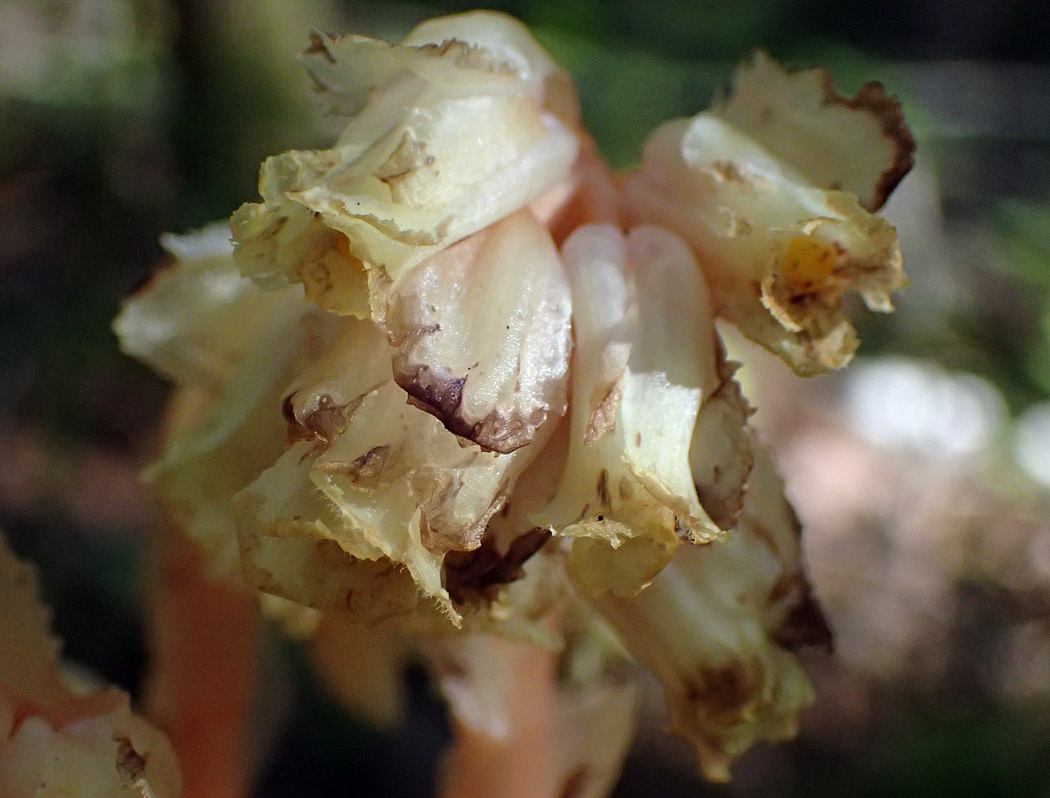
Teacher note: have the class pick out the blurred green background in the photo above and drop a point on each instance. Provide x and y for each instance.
(927, 465)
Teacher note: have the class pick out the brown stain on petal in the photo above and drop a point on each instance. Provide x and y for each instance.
(409, 155)
(603, 487)
(724, 694)
(438, 394)
(499, 432)
(722, 489)
(369, 465)
(441, 395)
(322, 423)
(130, 763)
(804, 623)
(468, 56)
(318, 46)
(473, 577)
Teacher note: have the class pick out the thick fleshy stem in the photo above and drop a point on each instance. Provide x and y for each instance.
(517, 760)
(205, 636)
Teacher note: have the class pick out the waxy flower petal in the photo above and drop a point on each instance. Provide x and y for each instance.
(643, 371)
(195, 319)
(856, 144)
(372, 474)
(717, 626)
(410, 409)
(230, 346)
(482, 334)
(779, 252)
(444, 140)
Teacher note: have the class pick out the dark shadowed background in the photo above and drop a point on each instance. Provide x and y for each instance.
(922, 473)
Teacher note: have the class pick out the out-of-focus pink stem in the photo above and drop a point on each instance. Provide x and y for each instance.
(522, 763)
(204, 643)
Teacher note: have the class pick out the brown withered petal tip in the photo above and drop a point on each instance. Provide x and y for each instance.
(886, 108)
(804, 623)
(724, 692)
(318, 46)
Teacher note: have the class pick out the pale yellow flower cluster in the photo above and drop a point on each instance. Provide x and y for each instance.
(452, 376)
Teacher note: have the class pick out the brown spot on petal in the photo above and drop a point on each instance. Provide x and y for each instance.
(468, 56)
(724, 694)
(603, 487)
(130, 763)
(318, 46)
(322, 423)
(369, 465)
(407, 157)
(503, 433)
(438, 394)
(721, 481)
(804, 623)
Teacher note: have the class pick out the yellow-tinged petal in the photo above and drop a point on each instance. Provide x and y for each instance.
(780, 243)
(644, 372)
(857, 144)
(717, 626)
(445, 138)
(219, 451)
(482, 334)
(230, 347)
(375, 479)
(194, 321)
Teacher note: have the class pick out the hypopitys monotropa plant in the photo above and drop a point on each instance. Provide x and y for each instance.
(454, 382)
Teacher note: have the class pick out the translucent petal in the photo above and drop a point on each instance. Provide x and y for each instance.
(195, 319)
(642, 373)
(483, 336)
(381, 493)
(860, 144)
(444, 139)
(779, 253)
(230, 347)
(215, 452)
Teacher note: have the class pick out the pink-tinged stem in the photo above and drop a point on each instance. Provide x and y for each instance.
(204, 644)
(520, 764)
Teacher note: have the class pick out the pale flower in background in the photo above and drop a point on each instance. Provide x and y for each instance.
(58, 738)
